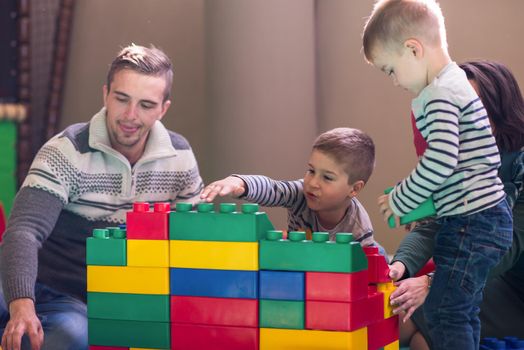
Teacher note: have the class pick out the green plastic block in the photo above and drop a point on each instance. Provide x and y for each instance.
(226, 225)
(319, 254)
(107, 247)
(7, 145)
(7, 191)
(131, 307)
(281, 314)
(426, 209)
(137, 334)
(8, 164)
(8, 132)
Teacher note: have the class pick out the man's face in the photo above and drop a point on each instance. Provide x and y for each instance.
(134, 103)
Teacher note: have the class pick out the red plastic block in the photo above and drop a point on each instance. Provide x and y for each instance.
(98, 347)
(375, 306)
(142, 223)
(333, 286)
(2, 221)
(429, 267)
(214, 311)
(338, 316)
(378, 269)
(198, 337)
(382, 333)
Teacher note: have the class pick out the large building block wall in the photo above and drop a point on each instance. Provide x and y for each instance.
(225, 279)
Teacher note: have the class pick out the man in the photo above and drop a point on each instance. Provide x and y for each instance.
(85, 177)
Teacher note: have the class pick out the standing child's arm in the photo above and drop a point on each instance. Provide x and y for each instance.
(439, 160)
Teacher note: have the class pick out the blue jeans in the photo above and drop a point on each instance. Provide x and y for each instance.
(466, 248)
(63, 318)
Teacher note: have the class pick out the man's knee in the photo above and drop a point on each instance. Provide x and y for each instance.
(67, 331)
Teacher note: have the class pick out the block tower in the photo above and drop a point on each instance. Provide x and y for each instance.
(214, 276)
(222, 279)
(316, 294)
(128, 282)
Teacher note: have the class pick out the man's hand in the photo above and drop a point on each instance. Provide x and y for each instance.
(409, 295)
(396, 270)
(23, 320)
(231, 185)
(385, 210)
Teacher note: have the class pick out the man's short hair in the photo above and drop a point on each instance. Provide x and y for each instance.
(353, 149)
(392, 22)
(143, 60)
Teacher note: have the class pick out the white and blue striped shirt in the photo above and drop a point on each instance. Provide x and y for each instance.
(459, 166)
(290, 194)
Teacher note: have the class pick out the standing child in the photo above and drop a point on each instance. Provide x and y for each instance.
(340, 164)
(406, 39)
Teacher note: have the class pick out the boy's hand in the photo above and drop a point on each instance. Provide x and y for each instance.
(396, 270)
(385, 210)
(231, 185)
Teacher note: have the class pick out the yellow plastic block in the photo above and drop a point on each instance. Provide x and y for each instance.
(387, 289)
(302, 339)
(392, 346)
(214, 255)
(148, 252)
(128, 279)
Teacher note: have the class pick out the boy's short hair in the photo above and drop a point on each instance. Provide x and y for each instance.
(143, 60)
(352, 148)
(392, 22)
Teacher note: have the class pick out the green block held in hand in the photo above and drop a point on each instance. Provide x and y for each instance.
(426, 209)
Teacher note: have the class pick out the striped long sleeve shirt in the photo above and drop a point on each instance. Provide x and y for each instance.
(290, 195)
(459, 166)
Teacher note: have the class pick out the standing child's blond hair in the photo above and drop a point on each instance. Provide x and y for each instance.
(392, 22)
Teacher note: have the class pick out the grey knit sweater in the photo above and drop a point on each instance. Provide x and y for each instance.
(77, 182)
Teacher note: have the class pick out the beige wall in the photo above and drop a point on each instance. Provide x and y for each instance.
(101, 28)
(255, 80)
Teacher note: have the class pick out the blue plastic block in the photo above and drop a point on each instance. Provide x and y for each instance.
(282, 285)
(214, 283)
(514, 343)
(510, 343)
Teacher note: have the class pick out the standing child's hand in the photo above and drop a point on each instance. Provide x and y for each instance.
(231, 185)
(385, 210)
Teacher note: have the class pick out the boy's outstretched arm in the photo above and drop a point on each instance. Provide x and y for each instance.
(231, 185)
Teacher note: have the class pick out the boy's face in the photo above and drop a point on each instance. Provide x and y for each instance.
(326, 185)
(404, 66)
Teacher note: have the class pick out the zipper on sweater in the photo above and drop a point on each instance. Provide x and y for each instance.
(133, 181)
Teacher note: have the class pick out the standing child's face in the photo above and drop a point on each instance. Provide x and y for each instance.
(326, 185)
(405, 68)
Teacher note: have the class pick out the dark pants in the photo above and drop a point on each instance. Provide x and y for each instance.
(63, 318)
(466, 248)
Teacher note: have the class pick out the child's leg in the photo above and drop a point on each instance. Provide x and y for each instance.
(466, 247)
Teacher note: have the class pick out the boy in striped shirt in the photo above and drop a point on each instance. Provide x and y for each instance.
(406, 39)
(339, 166)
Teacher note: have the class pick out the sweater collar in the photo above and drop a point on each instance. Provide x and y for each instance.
(158, 144)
